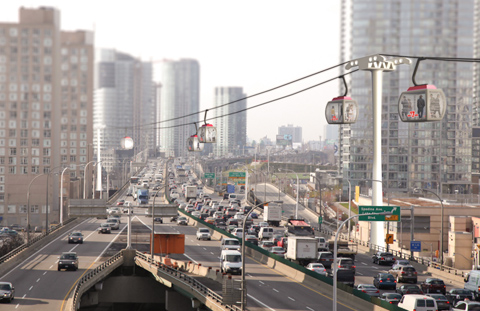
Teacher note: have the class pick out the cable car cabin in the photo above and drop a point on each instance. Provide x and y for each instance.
(207, 133)
(422, 103)
(299, 227)
(341, 110)
(194, 144)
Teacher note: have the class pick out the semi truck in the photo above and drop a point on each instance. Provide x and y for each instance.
(343, 249)
(301, 250)
(142, 196)
(298, 227)
(190, 192)
(272, 213)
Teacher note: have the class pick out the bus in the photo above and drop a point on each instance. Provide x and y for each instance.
(134, 180)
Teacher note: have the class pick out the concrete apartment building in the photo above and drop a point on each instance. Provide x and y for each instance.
(231, 128)
(294, 131)
(45, 114)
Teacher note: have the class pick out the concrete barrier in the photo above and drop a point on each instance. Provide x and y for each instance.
(20, 257)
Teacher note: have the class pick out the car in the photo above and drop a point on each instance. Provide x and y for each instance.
(276, 238)
(67, 261)
(467, 306)
(113, 211)
(238, 232)
(383, 258)
(254, 215)
(114, 223)
(267, 245)
(409, 289)
(230, 228)
(433, 285)
(317, 267)
(210, 220)
(404, 274)
(283, 242)
(232, 221)
(457, 294)
(220, 223)
(158, 220)
(104, 228)
(75, 237)
(252, 239)
(7, 291)
(384, 280)
(117, 217)
(401, 262)
(254, 229)
(263, 224)
(326, 259)
(442, 301)
(391, 298)
(204, 234)
(230, 243)
(369, 290)
(182, 220)
(277, 250)
(17, 227)
(120, 202)
(346, 264)
(417, 303)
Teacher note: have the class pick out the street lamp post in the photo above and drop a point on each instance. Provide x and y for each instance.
(46, 208)
(335, 250)
(441, 222)
(298, 189)
(28, 208)
(85, 179)
(243, 300)
(61, 195)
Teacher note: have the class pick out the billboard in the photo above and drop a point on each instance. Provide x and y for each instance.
(284, 140)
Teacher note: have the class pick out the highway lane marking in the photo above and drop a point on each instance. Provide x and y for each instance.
(30, 288)
(191, 258)
(75, 283)
(303, 285)
(60, 237)
(212, 253)
(74, 247)
(310, 309)
(258, 301)
(51, 267)
(46, 271)
(38, 280)
(364, 263)
(275, 290)
(205, 248)
(291, 298)
(24, 296)
(261, 282)
(17, 305)
(111, 242)
(359, 273)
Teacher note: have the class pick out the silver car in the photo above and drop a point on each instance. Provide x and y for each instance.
(7, 291)
(369, 290)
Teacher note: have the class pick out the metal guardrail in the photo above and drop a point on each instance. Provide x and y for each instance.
(185, 279)
(24, 246)
(90, 275)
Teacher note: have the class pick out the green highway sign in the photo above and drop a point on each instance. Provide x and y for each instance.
(365, 210)
(209, 175)
(320, 219)
(236, 174)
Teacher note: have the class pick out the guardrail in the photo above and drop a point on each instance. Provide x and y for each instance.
(181, 277)
(34, 240)
(93, 276)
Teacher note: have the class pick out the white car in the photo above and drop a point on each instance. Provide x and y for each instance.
(239, 216)
(113, 211)
(204, 234)
(318, 268)
(238, 232)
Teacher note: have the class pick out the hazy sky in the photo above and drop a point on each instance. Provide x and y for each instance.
(254, 44)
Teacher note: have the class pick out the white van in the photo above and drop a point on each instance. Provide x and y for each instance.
(229, 243)
(265, 233)
(418, 303)
(231, 262)
(472, 283)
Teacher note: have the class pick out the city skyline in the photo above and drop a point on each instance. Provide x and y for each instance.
(254, 55)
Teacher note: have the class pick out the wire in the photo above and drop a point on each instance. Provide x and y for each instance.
(235, 101)
(447, 59)
(264, 103)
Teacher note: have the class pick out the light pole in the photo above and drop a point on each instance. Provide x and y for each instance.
(85, 179)
(335, 265)
(298, 189)
(243, 300)
(61, 195)
(46, 210)
(441, 225)
(349, 206)
(28, 208)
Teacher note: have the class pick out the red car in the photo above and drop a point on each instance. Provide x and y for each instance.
(282, 242)
(120, 202)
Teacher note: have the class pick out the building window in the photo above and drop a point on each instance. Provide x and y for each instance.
(13, 151)
(24, 160)
(73, 158)
(24, 170)
(46, 152)
(64, 158)
(22, 209)
(12, 209)
(12, 169)
(35, 169)
(35, 142)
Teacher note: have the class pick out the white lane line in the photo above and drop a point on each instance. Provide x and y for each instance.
(45, 272)
(212, 253)
(60, 237)
(74, 247)
(193, 260)
(359, 273)
(249, 275)
(17, 305)
(291, 298)
(364, 263)
(51, 267)
(38, 280)
(275, 290)
(261, 282)
(24, 296)
(310, 309)
(30, 288)
(205, 248)
(258, 301)
(111, 242)
(197, 243)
